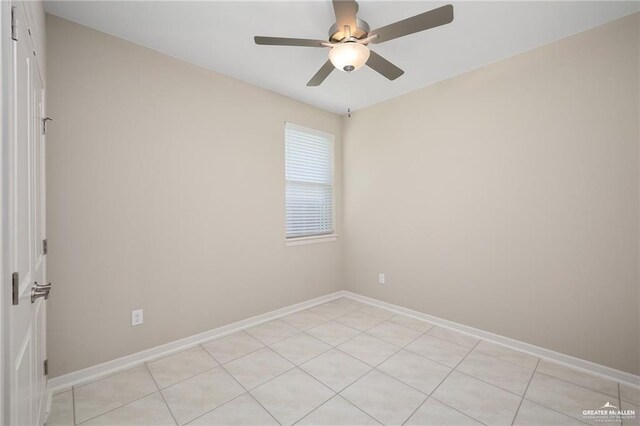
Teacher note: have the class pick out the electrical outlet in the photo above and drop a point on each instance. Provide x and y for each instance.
(137, 317)
(381, 278)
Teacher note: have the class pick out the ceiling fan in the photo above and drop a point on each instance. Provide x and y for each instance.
(350, 36)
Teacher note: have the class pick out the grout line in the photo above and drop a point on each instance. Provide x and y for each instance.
(219, 406)
(118, 407)
(620, 402)
(542, 405)
(374, 368)
(343, 353)
(471, 350)
(576, 384)
(329, 347)
(115, 373)
(332, 397)
(556, 411)
(444, 380)
(334, 393)
(506, 360)
(239, 356)
(160, 392)
(438, 362)
(73, 405)
(246, 391)
(187, 378)
(263, 407)
(524, 393)
(455, 409)
(489, 383)
(285, 372)
(151, 374)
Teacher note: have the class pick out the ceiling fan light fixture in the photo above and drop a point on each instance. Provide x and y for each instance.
(349, 56)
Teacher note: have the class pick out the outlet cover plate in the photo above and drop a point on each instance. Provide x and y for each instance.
(137, 317)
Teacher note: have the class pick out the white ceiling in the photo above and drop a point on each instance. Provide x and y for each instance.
(218, 35)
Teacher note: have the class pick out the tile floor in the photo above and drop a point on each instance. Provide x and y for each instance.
(344, 363)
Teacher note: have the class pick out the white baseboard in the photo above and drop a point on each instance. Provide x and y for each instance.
(90, 374)
(588, 366)
(110, 367)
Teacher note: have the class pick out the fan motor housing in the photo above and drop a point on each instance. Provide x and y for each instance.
(337, 34)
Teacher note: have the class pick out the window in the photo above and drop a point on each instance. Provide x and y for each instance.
(309, 182)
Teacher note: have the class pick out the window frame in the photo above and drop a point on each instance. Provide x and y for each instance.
(315, 238)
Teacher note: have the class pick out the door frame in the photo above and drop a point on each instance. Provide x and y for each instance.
(5, 52)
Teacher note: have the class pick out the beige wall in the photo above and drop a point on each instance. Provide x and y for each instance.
(507, 198)
(165, 192)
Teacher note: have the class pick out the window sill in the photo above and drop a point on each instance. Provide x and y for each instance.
(298, 241)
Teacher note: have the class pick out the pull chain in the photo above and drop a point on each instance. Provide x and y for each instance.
(348, 97)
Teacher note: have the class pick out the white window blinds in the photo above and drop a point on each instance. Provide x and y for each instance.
(309, 181)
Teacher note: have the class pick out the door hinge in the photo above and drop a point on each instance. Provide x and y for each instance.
(15, 283)
(45, 367)
(14, 27)
(44, 124)
(45, 246)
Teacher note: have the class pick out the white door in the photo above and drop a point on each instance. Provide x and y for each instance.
(26, 230)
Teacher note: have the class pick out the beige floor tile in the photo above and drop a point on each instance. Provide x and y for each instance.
(272, 331)
(333, 333)
(411, 322)
(336, 369)
(242, 411)
(300, 348)
(104, 395)
(292, 395)
(257, 367)
(196, 396)
(304, 320)
(175, 368)
(148, 411)
(350, 303)
(477, 399)
(565, 397)
(630, 419)
(61, 410)
(360, 320)
(506, 354)
(331, 309)
(233, 346)
(386, 399)
(337, 412)
(531, 413)
(435, 413)
(578, 377)
(442, 351)
(453, 336)
(414, 370)
(503, 374)
(369, 349)
(394, 333)
(630, 394)
(377, 312)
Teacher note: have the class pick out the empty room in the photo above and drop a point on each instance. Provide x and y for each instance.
(320, 212)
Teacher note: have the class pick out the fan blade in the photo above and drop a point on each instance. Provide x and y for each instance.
(384, 67)
(282, 41)
(321, 75)
(431, 19)
(346, 14)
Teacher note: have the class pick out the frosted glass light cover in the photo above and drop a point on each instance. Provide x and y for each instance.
(349, 56)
